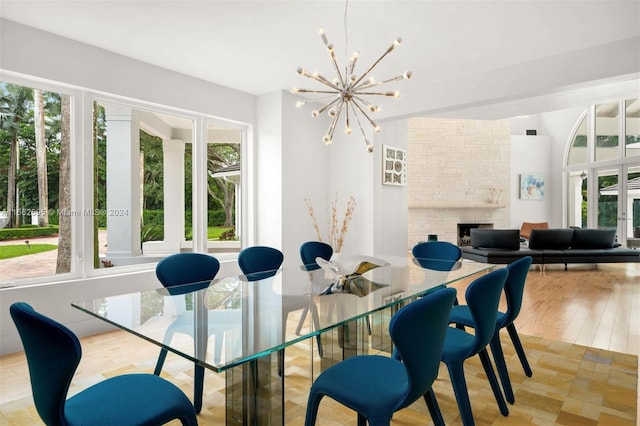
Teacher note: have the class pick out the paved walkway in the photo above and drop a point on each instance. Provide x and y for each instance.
(35, 265)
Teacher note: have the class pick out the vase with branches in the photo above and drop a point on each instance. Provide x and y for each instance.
(337, 229)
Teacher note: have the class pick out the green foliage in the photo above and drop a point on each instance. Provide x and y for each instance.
(27, 232)
(152, 233)
(17, 250)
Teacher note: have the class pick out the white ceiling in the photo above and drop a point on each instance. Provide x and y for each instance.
(257, 46)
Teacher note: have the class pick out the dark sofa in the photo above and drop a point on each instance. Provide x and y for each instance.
(548, 246)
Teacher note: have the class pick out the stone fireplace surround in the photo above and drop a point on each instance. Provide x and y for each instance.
(452, 164)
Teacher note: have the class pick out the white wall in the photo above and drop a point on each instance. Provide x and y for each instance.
(531, 155)
(559, 125)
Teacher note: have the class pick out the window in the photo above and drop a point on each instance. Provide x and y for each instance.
(147, 167)
(632, 127)
(35, 180)
(607, 131)
(149, 183)
(602, 174)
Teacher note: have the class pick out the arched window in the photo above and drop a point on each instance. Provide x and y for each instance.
(603, 175)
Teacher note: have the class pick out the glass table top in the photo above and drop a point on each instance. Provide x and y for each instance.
(229, 321)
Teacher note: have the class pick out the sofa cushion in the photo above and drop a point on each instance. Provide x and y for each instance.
(593, 238)
(504, 239)
(554, 239)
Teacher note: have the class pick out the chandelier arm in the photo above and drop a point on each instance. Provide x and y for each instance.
(364, 136)
(367, 84)
(335, 65)
(371, 107)
(393, 46)
(373, 123)
(297, 90)
(324, 107)
(332, 126)
(393, 94)
(317, 77)
(313, 101)
(347, 126)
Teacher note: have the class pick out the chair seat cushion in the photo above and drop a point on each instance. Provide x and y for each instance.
(364, 383)
(462, 315)
(128, 399)
(457, 345)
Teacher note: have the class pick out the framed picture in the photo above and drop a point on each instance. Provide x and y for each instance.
(532, 186)
(394, 166)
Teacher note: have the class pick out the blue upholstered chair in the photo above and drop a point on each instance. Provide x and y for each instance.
(312, 249)
(182, 273)
(259, 262)
(436, 255)
(482, 296)
(179, 269)
(53, 354)
(514, 290)
(309, 251)
(377, 386)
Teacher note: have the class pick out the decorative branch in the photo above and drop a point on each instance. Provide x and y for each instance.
(336, 235)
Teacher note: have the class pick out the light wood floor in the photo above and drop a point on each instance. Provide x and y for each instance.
(595, 306)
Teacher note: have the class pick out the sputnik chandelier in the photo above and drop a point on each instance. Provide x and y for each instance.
(346, 92)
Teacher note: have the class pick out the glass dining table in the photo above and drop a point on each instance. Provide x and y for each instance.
(252, 322)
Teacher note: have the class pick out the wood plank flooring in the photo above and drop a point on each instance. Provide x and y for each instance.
(593, 306)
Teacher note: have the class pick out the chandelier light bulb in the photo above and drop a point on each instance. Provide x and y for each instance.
(300, 104)
(346, 92)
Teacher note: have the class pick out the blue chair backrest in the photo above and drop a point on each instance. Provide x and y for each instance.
(418, 332)
(312, 249)
(259, 262)
(483, 297)
(53, 354)
(437, 255)
(187, 268)
(514, 288)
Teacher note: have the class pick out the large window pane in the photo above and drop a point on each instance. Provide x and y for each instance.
(632, 126)
(578, 153)
(224, 188)
(607, 131)
(35, 186)
(577, 199)
(142, 194)
(608, 198)
(633, 202)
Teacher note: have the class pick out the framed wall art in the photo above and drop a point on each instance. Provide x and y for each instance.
(532, 186)
(394, 166)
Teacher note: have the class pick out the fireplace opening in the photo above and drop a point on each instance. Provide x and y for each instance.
(464, 232)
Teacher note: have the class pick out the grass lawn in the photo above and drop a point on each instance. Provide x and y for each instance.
(15, 250)
(214, 232)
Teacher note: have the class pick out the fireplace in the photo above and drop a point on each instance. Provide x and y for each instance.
(464, 232)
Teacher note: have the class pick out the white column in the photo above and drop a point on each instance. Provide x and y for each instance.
(173, 169)
(123, 182)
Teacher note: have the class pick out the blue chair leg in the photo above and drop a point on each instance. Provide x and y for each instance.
(501, 366)
(434, 408)
(160, 362)
(493, 381)
(361, 420)
(312, 408)
(456, 372)
(198, 376)
(513, 333)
